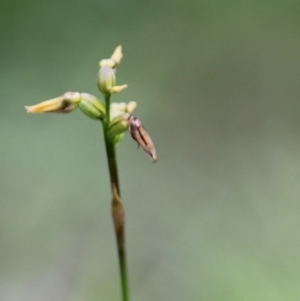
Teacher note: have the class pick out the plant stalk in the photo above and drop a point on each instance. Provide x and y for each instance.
(117, 206)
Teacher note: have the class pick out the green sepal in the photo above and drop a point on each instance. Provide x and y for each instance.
(118, 126)
(91, 106)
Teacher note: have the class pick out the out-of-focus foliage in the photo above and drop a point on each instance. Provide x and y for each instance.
(217, 218)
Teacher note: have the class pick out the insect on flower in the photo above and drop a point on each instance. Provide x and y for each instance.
(139, 134)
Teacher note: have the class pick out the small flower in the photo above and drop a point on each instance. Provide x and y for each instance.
(117, 109)
(91, 106)
(120, 114)
(62, 104)
(139, 134)
(107, 73)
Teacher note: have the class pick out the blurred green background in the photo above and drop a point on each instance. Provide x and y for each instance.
(217, 86)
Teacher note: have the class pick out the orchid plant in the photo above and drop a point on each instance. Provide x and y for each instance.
(116, 119)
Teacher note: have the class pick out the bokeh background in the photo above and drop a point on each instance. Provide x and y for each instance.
(217, 86)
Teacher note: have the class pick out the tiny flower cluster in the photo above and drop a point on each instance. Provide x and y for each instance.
(119, 118)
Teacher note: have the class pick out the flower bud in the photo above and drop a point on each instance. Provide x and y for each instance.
(106, 79)
(139, 134)
(63, 104)
(91, 106)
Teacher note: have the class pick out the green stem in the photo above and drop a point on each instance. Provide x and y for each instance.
(117, 206)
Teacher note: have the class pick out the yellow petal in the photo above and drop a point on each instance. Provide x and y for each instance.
(131, 106)
(46, 106)
(62, 104)
(117, 55)
(117, 89)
